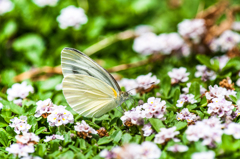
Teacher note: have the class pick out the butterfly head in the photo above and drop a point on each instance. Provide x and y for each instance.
(124, 96)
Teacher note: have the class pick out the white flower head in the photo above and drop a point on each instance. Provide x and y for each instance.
(20, 124)
(233, 129)
(192, 29)
(72, 16)
(203, 155)
(53, 137)
(20, 150)
(60, 116)
(5, 6)
(178, 75)
(146, 81)
(19, 91)
(27, 138)
(165, 134)
(85, 128)
(147, 129)
(205, 73)
(178, 148)
(227, 41)
(43, 107)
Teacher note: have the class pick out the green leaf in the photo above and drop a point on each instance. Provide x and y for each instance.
(206, 61)
(40, 150)
(83, 144)
(104, 140)
(149, 138)
(195, 89)
(234, 99)
(157, 124)
(3, 123)
(126, 138)
(54, 145)
(191, 106)
(67, 139)
(33, 122)
(200, 114)
(233, 64)
(117, 135)
(166, 85)
(176, 95)
(16, 108)
(203, 102)
(180, 125)
(136, 139)
(75, 149)
(40, 130)
(3, 137)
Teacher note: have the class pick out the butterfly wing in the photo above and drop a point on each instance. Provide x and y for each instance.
(76, 62)
(89, 96)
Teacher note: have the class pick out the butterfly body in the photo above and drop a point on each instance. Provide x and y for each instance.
(88, 88)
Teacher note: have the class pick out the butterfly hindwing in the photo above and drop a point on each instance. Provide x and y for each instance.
(89, 96)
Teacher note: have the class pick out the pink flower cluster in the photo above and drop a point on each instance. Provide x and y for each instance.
(142, 82)
(19, 92)
(219, 92)
(165, 135)
(178, 75)
(20, 150)
(20, 125)
(27, 138)
(53, 137)
(84, 127)
(149, 43)
(133, 151)
(153, 108)
(192, 29)
(60, 116)
(205, 73)
(186, 115)
(178, 148)
(43, 107)
(147, 129)
(233, 129)
(227, 41)
(185, 98)
(210, 130)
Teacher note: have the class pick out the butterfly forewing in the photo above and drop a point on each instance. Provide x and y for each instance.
(88, 95)
(75, 62)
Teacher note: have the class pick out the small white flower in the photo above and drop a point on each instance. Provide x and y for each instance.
(178, 148)
(233, 129)
(167, 43)
(185, 98)
(146, 81)
(53, 137)
(236, 26)
(19, 91)
(178, 75)
(203, 155)
(205, 73)
(227, 41)
(146, 44)
(20, 125)
(186, 115)
(27, 138)
(84, 127)
(223, 60)
(60, 116)
(129, 84)
(43, 107)
(142, 29)
(20, 150)
(150, 150)
(43, 3)
(192, 29)
(5, 6)
(147, 129)
(165, 134)
(72, 16)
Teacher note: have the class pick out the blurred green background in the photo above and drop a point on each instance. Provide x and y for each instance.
(30, 35)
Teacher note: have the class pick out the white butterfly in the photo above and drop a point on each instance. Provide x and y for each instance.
(88, 88)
